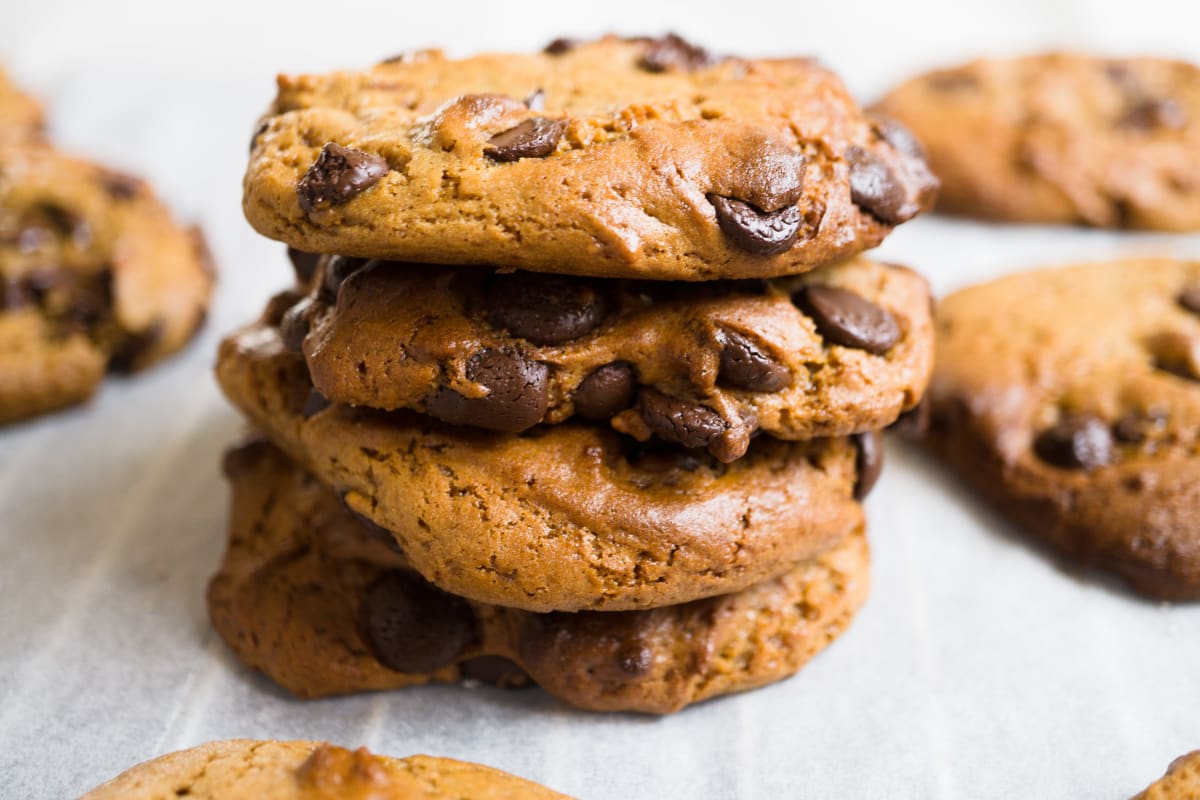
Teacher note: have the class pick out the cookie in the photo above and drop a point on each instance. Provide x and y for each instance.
(322, 602)
(1062, 138)
(621, 158)
(94, 276)
(1069, 398)
(272, 770)
(841, 350)
(21, 117)
(1182, 781)
(564, 517)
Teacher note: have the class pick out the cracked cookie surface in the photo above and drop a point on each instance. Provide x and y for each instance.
(94, 276)
(564, 517)
(374, 624)
(618, 158)
(509, 351)
(1070, 399)
(1063, 138)
(297, 770)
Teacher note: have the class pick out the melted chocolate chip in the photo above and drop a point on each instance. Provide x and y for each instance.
(605, 391)
(119, 185)
(678, 421)
(303, 264)
(561, 45)
(756, 231)
(1076, 442)
(314, 404)
(544, 309)
(294, 325)
(868, 462)
(844, 318)
(1135, 427)
(495, 671)
(517, 398)
(1189, 298)
(898, 136)
(128, 355)
(875, 188)
(672, 52)
(1154, 113)
(413, 626)
(337, 270)
(745, 365)
(914, 423)
(534, 138)
(338, 176)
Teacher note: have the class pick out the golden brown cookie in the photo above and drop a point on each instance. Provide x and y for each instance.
(564, 517)
(271, 770)
(841, 350)
(1061, 137)
(1182, 781)
(621, 158)
(94, 275)
(322, 602)
(21, 118)
(1070, 399)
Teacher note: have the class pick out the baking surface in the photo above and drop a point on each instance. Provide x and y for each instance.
(978, 669)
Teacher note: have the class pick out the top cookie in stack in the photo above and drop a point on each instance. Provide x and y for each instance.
(543, 306)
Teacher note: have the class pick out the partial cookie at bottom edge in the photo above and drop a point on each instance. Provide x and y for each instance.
(289, 599)
(1181, 782)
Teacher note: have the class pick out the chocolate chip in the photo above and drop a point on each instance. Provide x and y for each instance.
(1076, 442)
(303, 264)
(672, 52)
(868, 462)
(561, 45)
(495, 671)
(413, 626)
(678, 421)
(337, 270)
(605, 391)
(294, 325)
(259, 130)
(1135, 427)
(338, 176)
(756, 231)
(119, 185)
(90, 303)
(536, 100)
(745, 365)
(1154, 113)
(314, 404)
(518, 393)
(875, 188)
(128, 354)
(844, 318)
(914, 423)
(898, 136)
(1189, 298)
(536, 137)
(544, 309)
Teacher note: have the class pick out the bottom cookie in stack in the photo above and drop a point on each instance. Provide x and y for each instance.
(323, 602)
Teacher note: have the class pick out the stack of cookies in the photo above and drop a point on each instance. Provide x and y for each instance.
(581, 378)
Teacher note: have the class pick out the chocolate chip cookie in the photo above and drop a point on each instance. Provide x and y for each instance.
(1182, 781)
(94, 276)
(841, 350)
(621, 158)
(1062, 137)
(1070, 399)
(321, 601)
(271, 770)
(563, 517)
(21, 118)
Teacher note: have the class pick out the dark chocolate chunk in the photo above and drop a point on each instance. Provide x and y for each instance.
(413, 626)
(337, 270)
(338, 176)
(259, 130)
(314, 404)
(746, 365)
(898, 136)
(663, 459)
(1135, 427)
(128, 354)
(536, 137)
(1154, 113)
(756, 231)
(868, 462)
(875, 188)
(1078, 441)
(303, 264)
(119, 185)
(605, 391)
(518, 394)
(294, 325)
(672, 52)
(844, 318)
(561, 45)
(678, 421)
(544, 309)
(914, 423)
